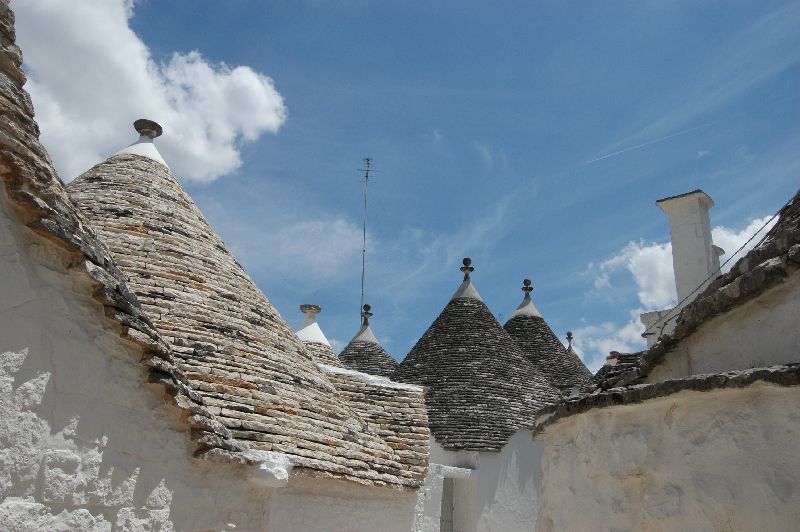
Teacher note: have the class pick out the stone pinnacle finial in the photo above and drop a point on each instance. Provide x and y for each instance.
(569, 339)
(467, 267)
(148, 128)
(527, 288)
(366, 315)
(310, 310)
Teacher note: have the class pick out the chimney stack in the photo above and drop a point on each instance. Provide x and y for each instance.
(695, 258)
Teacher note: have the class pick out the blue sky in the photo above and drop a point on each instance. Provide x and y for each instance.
(533, 137)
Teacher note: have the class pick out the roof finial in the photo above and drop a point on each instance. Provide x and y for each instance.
(569, 339)
(527, 288)
(310, 310)
(366, 315)
(467, 267)
(148, 128)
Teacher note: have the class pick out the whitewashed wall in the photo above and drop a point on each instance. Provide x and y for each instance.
(719, 460)
(762, 332)
(501, 491)
(86, 444)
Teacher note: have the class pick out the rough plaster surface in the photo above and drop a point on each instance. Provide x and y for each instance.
(717, 460)
(760, 333)
(340, 506)
(500, 493)
(87, 444)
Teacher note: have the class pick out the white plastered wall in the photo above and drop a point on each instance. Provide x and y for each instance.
(501, 491)
(762, 332)
(718, 460)
(87, 444)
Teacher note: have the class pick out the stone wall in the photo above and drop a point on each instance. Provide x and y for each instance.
(717, 460)
(759, 333)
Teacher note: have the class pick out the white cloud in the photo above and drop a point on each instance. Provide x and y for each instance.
(90, 76)
(650, 264)
(730, 240)
(650, 267)
(594, 342)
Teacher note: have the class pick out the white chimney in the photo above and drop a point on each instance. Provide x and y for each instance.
(695, 258)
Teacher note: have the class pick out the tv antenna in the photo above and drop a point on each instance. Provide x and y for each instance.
(367, 168)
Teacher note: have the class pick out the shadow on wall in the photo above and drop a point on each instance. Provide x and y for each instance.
(85, 441)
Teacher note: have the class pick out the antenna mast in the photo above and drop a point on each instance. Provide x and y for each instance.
(366, 169)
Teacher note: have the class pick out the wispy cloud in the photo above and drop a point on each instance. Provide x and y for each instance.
(485, 153)
(764, 50)
(645, 144)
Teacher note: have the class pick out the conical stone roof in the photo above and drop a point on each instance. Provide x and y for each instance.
(317, 344)
(248, 365)
(480, 389)
(561, 367)
(364, 353)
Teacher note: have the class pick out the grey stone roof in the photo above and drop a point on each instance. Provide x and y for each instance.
(480, 388)
(768, 264)
(237, 352)
(562, 368)
(364, 352)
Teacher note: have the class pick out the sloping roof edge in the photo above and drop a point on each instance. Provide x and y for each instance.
(781, 375)
(34, 188)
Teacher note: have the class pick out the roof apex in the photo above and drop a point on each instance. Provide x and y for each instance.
(467, 289)
(365, 334)
(144, 147)
(527, 308)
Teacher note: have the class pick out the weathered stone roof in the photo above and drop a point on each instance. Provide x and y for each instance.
(480, 388)
(394, 411)
(364, 353)
(322, 353)
(39, 198)
(563, 369)
(768, 264)
(251, 370)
